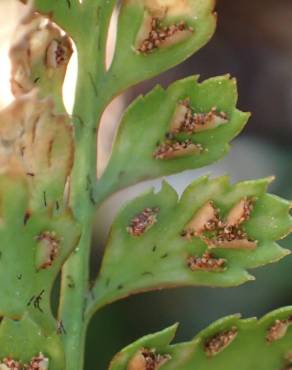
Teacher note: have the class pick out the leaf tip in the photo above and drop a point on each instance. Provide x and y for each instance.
(270, 179)
(286, 252)
(250, 277)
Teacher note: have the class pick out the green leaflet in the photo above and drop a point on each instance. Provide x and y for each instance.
(159, 256)
(148, 120)
(160, 341)
(25, 339)
(29, 265)
(249, 348)
(129, 65)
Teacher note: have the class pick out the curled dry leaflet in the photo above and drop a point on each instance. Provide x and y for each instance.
(42, 49)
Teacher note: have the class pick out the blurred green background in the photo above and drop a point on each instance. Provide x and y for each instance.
(253, 43)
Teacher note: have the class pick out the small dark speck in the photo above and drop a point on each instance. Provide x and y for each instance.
(169, 135)
(45, 198)
(120, 287)
(60, 328)
(19, 277)
(71, 283)
(26, 218)
(36, 80)
(154, 248)
(164, 255)
(147, 273)
(99, 44)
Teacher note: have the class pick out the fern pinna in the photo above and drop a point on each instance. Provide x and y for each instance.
(212, 235)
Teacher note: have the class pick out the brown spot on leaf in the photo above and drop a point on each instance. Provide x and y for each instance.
(219, 342)
(278, 330)
(58, 52)
(154, 35)
(39, 362)
(10, 363)
(143, 221)
(206, 263)
(47, 249)
(147, 359)
(217, 233)
(187, 121)
(26, 217)
(175, 149)
(231, 238)
(206, 218)
(233, 244)
(239, 213)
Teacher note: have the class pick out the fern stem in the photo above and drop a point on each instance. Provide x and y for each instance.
(75, 274)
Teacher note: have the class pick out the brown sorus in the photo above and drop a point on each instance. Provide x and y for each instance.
(143, 221)
(147, 359)
(219, 342)
(205, 219)
(206, 263)
(154, 35)
(47, 249)
(278, 330)
(173, 149)
(187, 121)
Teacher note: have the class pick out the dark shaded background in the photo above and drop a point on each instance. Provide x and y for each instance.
(254, 43)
